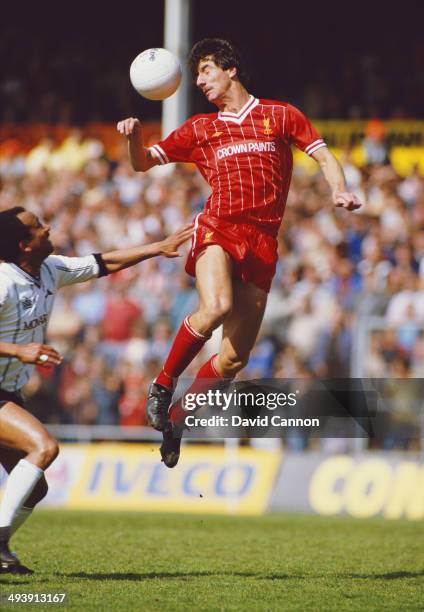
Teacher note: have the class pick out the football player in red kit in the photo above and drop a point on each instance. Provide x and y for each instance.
(244, 153)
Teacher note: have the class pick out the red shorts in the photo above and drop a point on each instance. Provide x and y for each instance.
(253, 251)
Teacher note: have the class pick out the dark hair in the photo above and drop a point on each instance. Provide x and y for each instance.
(12, 231)
(223, 53)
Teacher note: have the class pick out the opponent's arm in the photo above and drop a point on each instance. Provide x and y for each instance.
(141, 158)
(31, 353)
(118, 260)
(334, 175)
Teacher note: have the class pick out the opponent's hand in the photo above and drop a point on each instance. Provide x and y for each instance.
(169, 246)
(347, 200)
(131, 127)
(40, 354)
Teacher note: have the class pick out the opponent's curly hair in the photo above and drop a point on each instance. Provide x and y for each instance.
(12, 231)
(224, 54)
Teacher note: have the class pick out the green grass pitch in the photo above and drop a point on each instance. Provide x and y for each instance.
(126, 561)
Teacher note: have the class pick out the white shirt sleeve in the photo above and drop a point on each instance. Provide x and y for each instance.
(3, 294)
(71, 270)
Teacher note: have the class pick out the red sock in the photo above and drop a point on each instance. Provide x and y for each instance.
(185, 347)
(202, 382)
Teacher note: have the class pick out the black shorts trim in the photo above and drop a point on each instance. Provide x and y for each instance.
(8, 396)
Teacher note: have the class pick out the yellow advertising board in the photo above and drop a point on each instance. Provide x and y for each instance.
(368, 487)
(208, 479)
(397, 132)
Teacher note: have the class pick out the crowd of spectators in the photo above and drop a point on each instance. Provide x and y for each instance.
(334, 268)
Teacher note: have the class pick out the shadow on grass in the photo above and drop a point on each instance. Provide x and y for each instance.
(169, 575)
(186, 575)
(388, 575)
(11, 579)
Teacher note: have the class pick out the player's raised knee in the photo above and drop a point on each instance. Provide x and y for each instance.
(217, 312)
(46, 450)
(51, 450)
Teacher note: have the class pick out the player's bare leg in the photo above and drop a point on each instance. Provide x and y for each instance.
(215, 289)
(22, 436)
(213, 274)
(240, 330)
(21, 431)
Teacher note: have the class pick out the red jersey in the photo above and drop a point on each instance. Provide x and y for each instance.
(245, 157)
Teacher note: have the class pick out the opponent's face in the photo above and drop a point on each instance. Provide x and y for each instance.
(213, 81)
(39, 244)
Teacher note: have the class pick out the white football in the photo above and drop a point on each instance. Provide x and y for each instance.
(155, 74)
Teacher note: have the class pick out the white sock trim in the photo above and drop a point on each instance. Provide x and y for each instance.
(193, 332)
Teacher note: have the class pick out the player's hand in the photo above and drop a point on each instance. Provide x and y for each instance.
(347, 200)
(169, 246)
(40, 354)
(131, 127)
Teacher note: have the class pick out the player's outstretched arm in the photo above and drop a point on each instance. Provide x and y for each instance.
(118, 260)
(334, 175)
(141, 158)
(36, 353)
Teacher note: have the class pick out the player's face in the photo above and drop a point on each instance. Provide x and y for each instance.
(213, 81)
(39, 243)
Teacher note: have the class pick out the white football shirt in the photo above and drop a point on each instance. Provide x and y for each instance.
(26, 303)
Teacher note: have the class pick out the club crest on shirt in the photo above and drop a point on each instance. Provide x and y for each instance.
(217, 134)
(26, 303)
(268, 131)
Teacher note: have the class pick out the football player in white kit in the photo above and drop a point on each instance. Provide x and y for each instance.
(29, 278)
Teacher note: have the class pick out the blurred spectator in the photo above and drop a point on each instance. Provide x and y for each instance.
(120, 314)
(331, 358)
(374, 145)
